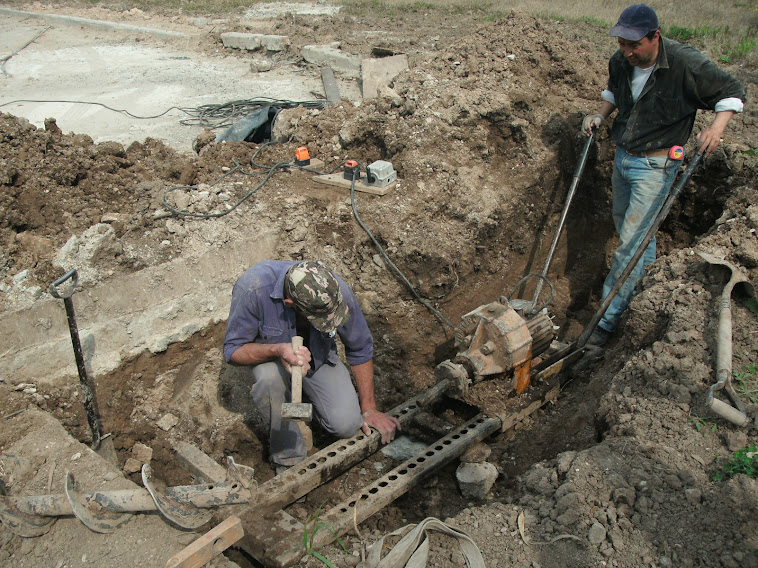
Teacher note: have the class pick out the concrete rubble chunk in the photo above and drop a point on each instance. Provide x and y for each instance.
(476, 479)
(597, 533)
(236, 40)
(329, 56)
(199, 464)
(379, 72)
(251, 42)
(167, 422)
(142, 453)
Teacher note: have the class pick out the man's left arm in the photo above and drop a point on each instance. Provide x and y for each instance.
(719, 91)
(711, 138)
(372, 418)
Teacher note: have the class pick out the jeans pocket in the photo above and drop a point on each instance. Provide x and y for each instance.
(660, 162)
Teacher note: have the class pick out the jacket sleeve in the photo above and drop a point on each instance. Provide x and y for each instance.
(710, 83)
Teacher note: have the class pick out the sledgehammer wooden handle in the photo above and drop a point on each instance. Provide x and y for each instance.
(297, 373)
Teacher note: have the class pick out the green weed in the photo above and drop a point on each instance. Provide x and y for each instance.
(743, 461)
(739, 50)
(312, 526)
(701, 423)
(747, 383)
(686, 34)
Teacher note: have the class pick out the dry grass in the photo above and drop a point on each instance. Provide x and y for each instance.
(726, 31)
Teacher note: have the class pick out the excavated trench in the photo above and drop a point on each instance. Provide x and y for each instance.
(213, 411)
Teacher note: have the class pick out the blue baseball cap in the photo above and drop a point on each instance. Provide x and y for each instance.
(635, 23)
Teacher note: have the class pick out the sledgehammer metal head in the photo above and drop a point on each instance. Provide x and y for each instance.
(297, 410)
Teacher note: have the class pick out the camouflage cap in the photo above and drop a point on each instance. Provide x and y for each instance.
(316, 292)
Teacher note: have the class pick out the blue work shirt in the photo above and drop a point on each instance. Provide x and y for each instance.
(258, 315)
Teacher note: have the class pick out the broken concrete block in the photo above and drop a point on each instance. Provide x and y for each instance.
(236, 40)
(142, 453)
(328, 56)
(476, 479)
(199, 464)
(275, 42)
(167, 422)
(251, 42)
(379, 72)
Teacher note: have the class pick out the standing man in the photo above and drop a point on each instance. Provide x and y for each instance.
(271, 303)
(657, 85)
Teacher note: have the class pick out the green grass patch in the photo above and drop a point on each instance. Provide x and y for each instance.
(700, 423)
(746, 382)
(687, 34)
(744, 461)
(738, 51)
(313, 525)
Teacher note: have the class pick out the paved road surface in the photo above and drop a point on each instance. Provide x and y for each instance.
(144, 71)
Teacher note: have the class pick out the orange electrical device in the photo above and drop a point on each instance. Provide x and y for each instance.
(302, 157)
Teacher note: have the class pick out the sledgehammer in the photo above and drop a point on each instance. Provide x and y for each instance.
(297, 410)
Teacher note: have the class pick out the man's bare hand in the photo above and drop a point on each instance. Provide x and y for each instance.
(709, 140)
(385, 424)
(299, 358)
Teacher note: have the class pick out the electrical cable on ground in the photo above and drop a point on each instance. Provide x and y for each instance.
(120, 111)
(269, 171)
(7, 58)
(387, 258)
(211, 116)
(222, 115)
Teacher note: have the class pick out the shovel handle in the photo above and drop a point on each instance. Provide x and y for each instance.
(73, 275)
(297, 373)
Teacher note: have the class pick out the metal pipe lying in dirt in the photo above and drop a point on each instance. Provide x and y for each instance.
(736, 416)
(34, 515)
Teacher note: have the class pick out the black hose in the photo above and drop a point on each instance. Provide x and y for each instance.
(395, 269)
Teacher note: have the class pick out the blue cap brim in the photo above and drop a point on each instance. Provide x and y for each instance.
(631, 34)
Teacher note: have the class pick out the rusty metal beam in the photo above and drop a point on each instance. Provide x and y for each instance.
(265, 528)
(328, 463)
(284, 540)
(277, 539)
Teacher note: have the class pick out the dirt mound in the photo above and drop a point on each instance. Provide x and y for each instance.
(483, 132)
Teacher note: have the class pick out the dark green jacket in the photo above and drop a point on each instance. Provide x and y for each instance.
(683, 81)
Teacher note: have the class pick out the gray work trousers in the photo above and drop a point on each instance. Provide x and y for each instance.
(331, 392)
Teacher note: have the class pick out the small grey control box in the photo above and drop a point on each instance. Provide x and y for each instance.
(380, 173)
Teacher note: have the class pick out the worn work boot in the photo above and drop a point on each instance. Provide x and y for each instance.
(599, 337)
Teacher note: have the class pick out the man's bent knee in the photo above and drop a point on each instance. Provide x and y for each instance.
(342, 426)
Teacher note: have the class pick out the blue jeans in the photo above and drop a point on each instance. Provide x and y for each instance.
(640, 186)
